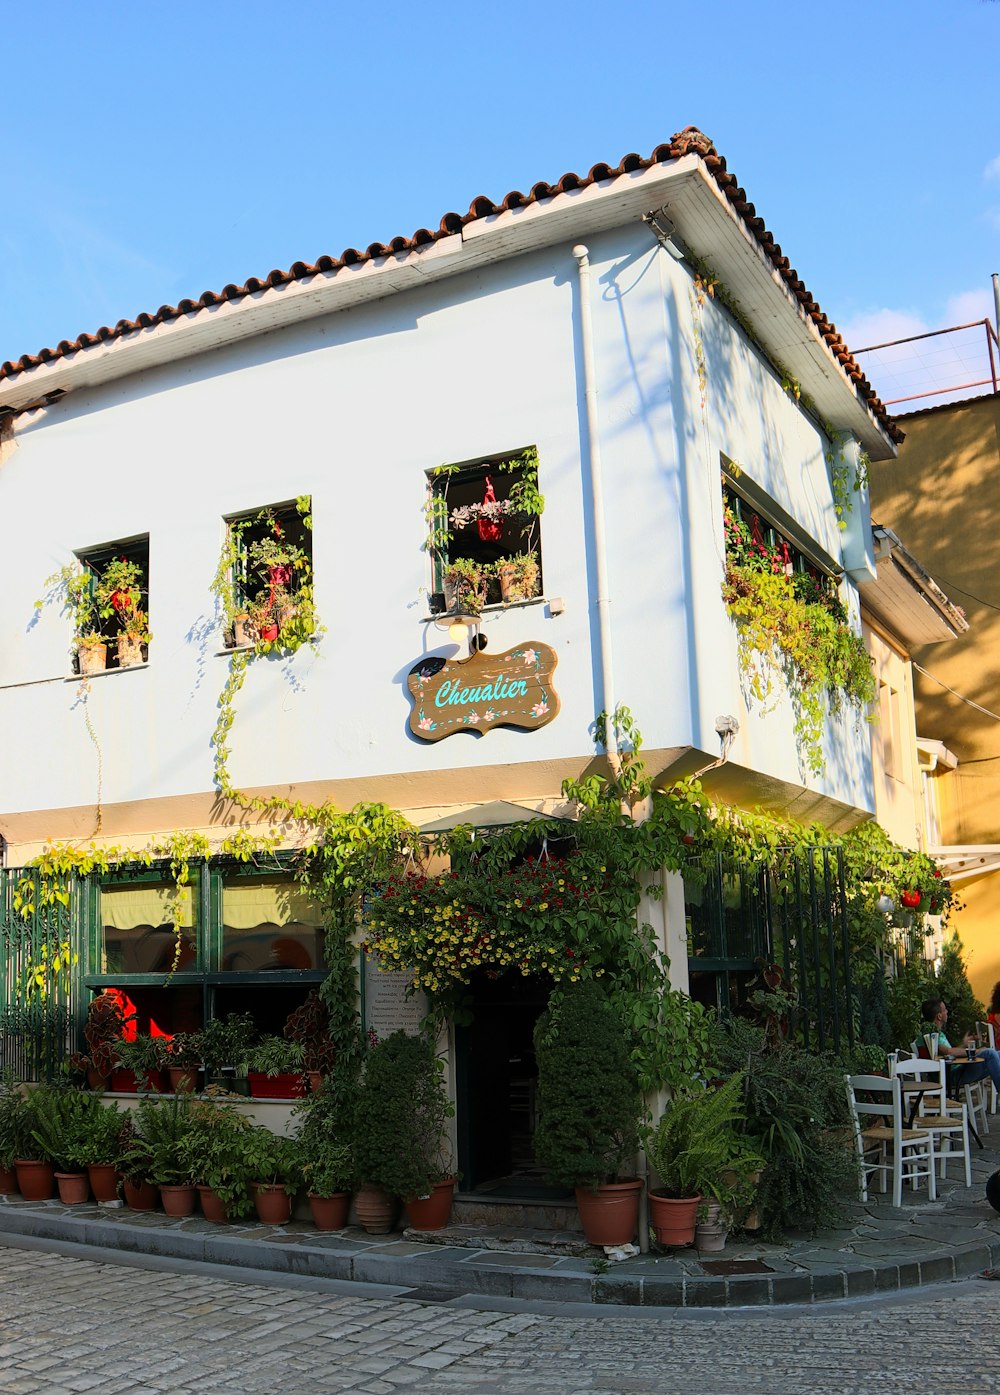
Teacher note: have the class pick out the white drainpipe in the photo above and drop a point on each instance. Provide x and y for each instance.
(597, 498)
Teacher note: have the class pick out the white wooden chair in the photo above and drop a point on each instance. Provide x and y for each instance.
(885, 1147)
(986, 1036)
(973, 1092)
(947, 1120)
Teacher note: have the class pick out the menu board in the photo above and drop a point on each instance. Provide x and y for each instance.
(387, 1008)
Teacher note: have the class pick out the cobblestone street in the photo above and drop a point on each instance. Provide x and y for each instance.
(73, 1325)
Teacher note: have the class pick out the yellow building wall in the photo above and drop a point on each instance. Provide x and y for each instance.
(941, 497)
(895, 770)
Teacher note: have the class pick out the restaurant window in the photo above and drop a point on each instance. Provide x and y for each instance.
(248, 939)
(117, 615)
(483, 523)
(755, 543)
(265, 577)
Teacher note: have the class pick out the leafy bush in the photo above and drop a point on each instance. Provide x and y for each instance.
(589, 1104)
(15, 1122)
(400, 1117)
(952, 984)
(795, 1109)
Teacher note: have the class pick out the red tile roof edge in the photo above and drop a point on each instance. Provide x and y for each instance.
(944, 406)
(689, 141)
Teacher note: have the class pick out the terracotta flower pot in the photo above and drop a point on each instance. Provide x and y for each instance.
(183, 1079)
(213, 1208)
(93, 658)
(8, 1181)
(330, 1212)
(178, 1200)
(140, 1196)
(272, 1203)
(129, 651)
(610, 1215)
(103, 1181)
(35, 1179)
(285, 1086)
(711, 1231)
(434, 1211)
(673, 1218)
(376, 1209)
(74, 1189)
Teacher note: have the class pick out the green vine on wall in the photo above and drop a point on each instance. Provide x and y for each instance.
(785, 633)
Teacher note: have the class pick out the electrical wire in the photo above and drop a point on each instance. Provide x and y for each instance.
(969, 595)
(985, 710)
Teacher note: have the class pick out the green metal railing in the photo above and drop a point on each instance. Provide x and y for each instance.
(791, 913)
(39, 992)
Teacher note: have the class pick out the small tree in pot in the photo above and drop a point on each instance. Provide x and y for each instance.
(589, 1110)
(400, 1141)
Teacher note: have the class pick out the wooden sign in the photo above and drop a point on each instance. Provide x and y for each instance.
(388, 1005)
(513, 689)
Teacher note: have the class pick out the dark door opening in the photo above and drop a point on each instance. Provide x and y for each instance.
(497, 1078)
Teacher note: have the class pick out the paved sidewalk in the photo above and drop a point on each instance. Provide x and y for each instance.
(878, 1250)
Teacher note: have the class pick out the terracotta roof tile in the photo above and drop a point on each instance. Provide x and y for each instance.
(688, 141)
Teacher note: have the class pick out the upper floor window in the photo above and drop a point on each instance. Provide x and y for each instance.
(484, 535)
(756, 545)
(109, 597)
(265, 573)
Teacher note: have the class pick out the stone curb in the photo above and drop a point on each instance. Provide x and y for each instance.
(438, 1273)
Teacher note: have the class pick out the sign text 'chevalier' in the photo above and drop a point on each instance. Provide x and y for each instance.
(513, 689)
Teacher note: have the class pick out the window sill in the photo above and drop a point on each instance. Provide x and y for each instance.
(497, 609)
(103, 673)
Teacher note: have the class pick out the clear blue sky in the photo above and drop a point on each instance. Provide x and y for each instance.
(155, 150)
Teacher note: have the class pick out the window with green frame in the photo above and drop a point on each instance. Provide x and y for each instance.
(270, 553)
(251, 941)
(482, 513)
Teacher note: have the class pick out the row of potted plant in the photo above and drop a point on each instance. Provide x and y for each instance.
(230, 1052)
(469, 585)
(385, 1138)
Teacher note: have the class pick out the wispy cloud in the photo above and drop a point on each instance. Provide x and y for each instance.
(992, 170)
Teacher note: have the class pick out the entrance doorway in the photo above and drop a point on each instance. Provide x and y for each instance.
(496, 1086)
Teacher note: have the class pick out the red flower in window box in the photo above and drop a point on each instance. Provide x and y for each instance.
(910, 899)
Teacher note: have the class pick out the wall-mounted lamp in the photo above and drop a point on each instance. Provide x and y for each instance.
(461, 628)
(664, 232)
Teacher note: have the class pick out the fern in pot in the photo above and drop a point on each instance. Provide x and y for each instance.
(700, 1157)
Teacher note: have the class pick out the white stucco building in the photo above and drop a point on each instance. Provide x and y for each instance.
(575, 320)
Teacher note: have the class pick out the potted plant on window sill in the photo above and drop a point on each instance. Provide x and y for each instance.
(309, 1026)
(224, 1044)
(274, 1069)
(518, 576)
(142, 1065)
(184, 1062)
(589, 1111)
(133, 639)
(91, 652)
(465, 583)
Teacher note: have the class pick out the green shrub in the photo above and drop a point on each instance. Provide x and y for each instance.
(401, 1112)
(795, 1109)
(696, 1143)
(589, 1103)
